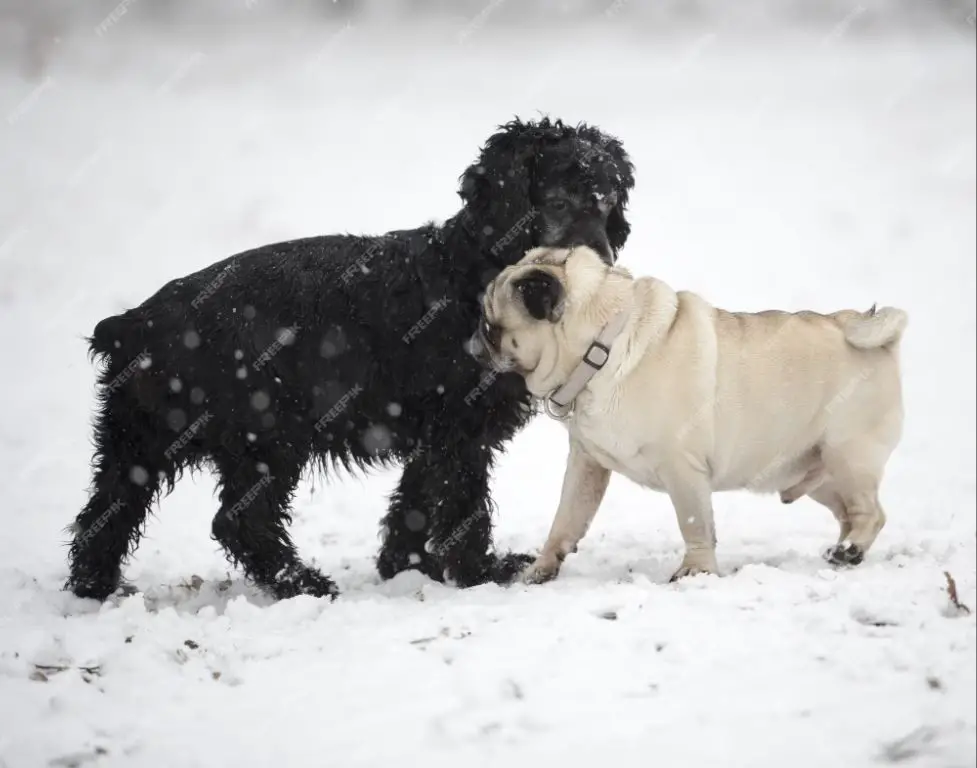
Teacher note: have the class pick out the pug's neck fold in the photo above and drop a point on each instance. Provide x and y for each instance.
(559, 402)
(599, 304)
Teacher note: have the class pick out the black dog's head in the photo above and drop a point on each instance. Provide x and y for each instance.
(546, 183)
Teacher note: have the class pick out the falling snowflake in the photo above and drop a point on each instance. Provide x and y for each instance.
(238, 354)
(191, 339)
(260, 400)
(394, 409)
(176, 385)
(415, 520)
(242, 372)
(377, 439)
(197, 395)
(139, 475)
(176, 419)
(333, 343)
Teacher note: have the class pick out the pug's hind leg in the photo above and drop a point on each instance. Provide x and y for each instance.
(830, 498)
(584, 484)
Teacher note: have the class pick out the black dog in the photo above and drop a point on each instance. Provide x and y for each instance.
(341, 350)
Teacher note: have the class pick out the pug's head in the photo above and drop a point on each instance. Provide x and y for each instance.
(538, 315)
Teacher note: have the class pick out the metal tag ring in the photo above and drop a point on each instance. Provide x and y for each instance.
(555, 411)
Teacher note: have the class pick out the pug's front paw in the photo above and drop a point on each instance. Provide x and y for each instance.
(695, 563)
(543, 570)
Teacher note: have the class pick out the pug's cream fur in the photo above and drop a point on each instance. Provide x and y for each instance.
(695, 399)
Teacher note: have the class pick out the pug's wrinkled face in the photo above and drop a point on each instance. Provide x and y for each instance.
(520, 314)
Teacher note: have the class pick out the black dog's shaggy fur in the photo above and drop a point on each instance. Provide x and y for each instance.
(340, 350)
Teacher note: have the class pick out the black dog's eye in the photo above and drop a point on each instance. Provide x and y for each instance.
(558, 205)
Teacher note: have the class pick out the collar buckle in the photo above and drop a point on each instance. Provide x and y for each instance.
(601, 353)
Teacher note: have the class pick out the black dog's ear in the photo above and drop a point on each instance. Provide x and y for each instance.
(618, 227)
(496, 189)
(541, 294)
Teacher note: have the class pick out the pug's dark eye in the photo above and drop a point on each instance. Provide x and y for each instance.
(491, 332)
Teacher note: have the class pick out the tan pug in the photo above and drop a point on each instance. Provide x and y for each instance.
(685, 398)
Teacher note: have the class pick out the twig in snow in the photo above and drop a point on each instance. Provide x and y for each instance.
(914, 744)
(50, 669)
(951, 587)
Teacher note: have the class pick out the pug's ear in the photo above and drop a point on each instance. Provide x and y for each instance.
(541, 294)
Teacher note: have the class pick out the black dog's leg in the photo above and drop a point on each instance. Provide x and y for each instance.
(125, 483)
(440, 520)
(406, 529)
(251, 524)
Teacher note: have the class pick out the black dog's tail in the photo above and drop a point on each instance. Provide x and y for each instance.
(118, 336)
(121, 343)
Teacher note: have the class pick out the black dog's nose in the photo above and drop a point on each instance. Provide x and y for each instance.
(602, 246)
(591, 233)
(597, 241)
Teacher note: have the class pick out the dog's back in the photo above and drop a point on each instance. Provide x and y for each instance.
(785, 382)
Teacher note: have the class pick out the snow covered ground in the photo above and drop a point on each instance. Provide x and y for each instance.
(812, 171)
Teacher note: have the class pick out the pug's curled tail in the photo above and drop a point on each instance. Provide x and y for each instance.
(875, 328)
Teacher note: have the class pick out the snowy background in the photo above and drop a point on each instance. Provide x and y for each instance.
(797, 155)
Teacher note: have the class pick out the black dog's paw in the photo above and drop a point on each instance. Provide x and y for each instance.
(489, 568)
(97, 587)
(509, 566)
(305, 581)
(392, 561)
(844, 553)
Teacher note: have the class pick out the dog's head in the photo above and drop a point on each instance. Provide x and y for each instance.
(537, 313)
(546, 183)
